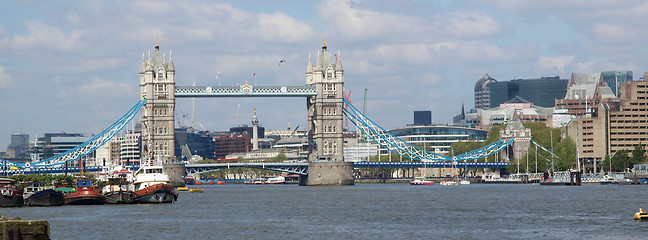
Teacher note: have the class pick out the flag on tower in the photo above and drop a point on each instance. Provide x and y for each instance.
(217, 75)
(253, 74)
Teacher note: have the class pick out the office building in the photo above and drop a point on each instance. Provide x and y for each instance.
(614, 79)
(585, 91)
(541, 92)
(482, 92)
(608, 128)
(438, 138)
(422, 118)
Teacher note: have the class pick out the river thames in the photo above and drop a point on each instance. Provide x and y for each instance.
(363, 211)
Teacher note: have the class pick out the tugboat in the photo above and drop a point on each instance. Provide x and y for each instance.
(152, 186)
(85, 194)
(38, 194)
(11, 196)
(118, 191)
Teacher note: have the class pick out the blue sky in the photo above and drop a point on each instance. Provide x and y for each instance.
(73, 66)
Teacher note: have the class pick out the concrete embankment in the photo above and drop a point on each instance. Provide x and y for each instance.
(15, 228)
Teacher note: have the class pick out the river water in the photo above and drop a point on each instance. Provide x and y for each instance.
(363, 211)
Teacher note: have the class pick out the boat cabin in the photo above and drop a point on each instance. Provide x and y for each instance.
(7, 182)
(84, 183)
(35, 187)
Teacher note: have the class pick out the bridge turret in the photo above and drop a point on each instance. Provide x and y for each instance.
(158, 128)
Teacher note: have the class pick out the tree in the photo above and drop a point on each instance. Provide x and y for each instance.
(620, 161)
(638, 155)
(606, 163)
(566, 152)
(279, 158)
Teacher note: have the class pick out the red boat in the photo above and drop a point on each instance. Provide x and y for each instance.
(11, 196)
(421, 181)
(85, 194)
(152, 186)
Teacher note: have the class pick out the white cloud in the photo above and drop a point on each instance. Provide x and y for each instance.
(90, 65)
(362, 24)
(279, 27)
(612, 33)
(5, 79)
(101, 87)
(557, 63)
(469, 24)
(41, 36)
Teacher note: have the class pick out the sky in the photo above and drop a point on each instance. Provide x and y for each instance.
(73, 66)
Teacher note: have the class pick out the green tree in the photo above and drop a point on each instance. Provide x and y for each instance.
(279, 158)
(638, 155)
(620, 161)
(566, 152)
(606, 163)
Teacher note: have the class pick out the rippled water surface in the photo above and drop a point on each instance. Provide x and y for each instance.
(363, 211)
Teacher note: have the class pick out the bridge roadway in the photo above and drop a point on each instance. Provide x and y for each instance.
(295, 168)
(302, 167)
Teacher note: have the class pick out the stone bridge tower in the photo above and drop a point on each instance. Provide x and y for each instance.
(325, 122)
(157, 86)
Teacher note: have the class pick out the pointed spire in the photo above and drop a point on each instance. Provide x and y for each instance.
(170, 66)
(309, 68)
(338, 64)
(463, 112)
(164, 57)
(157, 46)
(324, 44)
(143, 64)
(318, 64)
(148, 64)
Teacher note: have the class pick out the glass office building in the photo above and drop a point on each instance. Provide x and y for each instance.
(422, 118)
(614, 79)
(438, 138)
(539, 91)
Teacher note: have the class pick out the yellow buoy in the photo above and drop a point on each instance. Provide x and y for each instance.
(183, 189)
(641, 215)
(198, 190)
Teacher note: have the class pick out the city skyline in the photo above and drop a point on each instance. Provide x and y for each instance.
(73, 67)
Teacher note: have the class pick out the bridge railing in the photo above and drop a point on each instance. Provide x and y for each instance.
(85, 148)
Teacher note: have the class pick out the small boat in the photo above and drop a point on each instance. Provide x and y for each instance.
(464, 182)
(641, 215)
(86, 194)
(38, 194)
(197, 190)
(183, 188)
(118, 191)
(152, 186)
(189, 180)
(609, 180)
(10, 196)
(449, 182)
(266, 180)
(421, 181)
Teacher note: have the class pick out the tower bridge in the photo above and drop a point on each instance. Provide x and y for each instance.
(325, 105)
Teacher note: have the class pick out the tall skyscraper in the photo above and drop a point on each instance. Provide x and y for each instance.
(482, 97)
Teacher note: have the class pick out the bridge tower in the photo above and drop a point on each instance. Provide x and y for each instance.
(157, 85)
(325, 122)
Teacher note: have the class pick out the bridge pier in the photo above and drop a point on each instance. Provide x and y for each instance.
(176, 172)
(328, 173)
